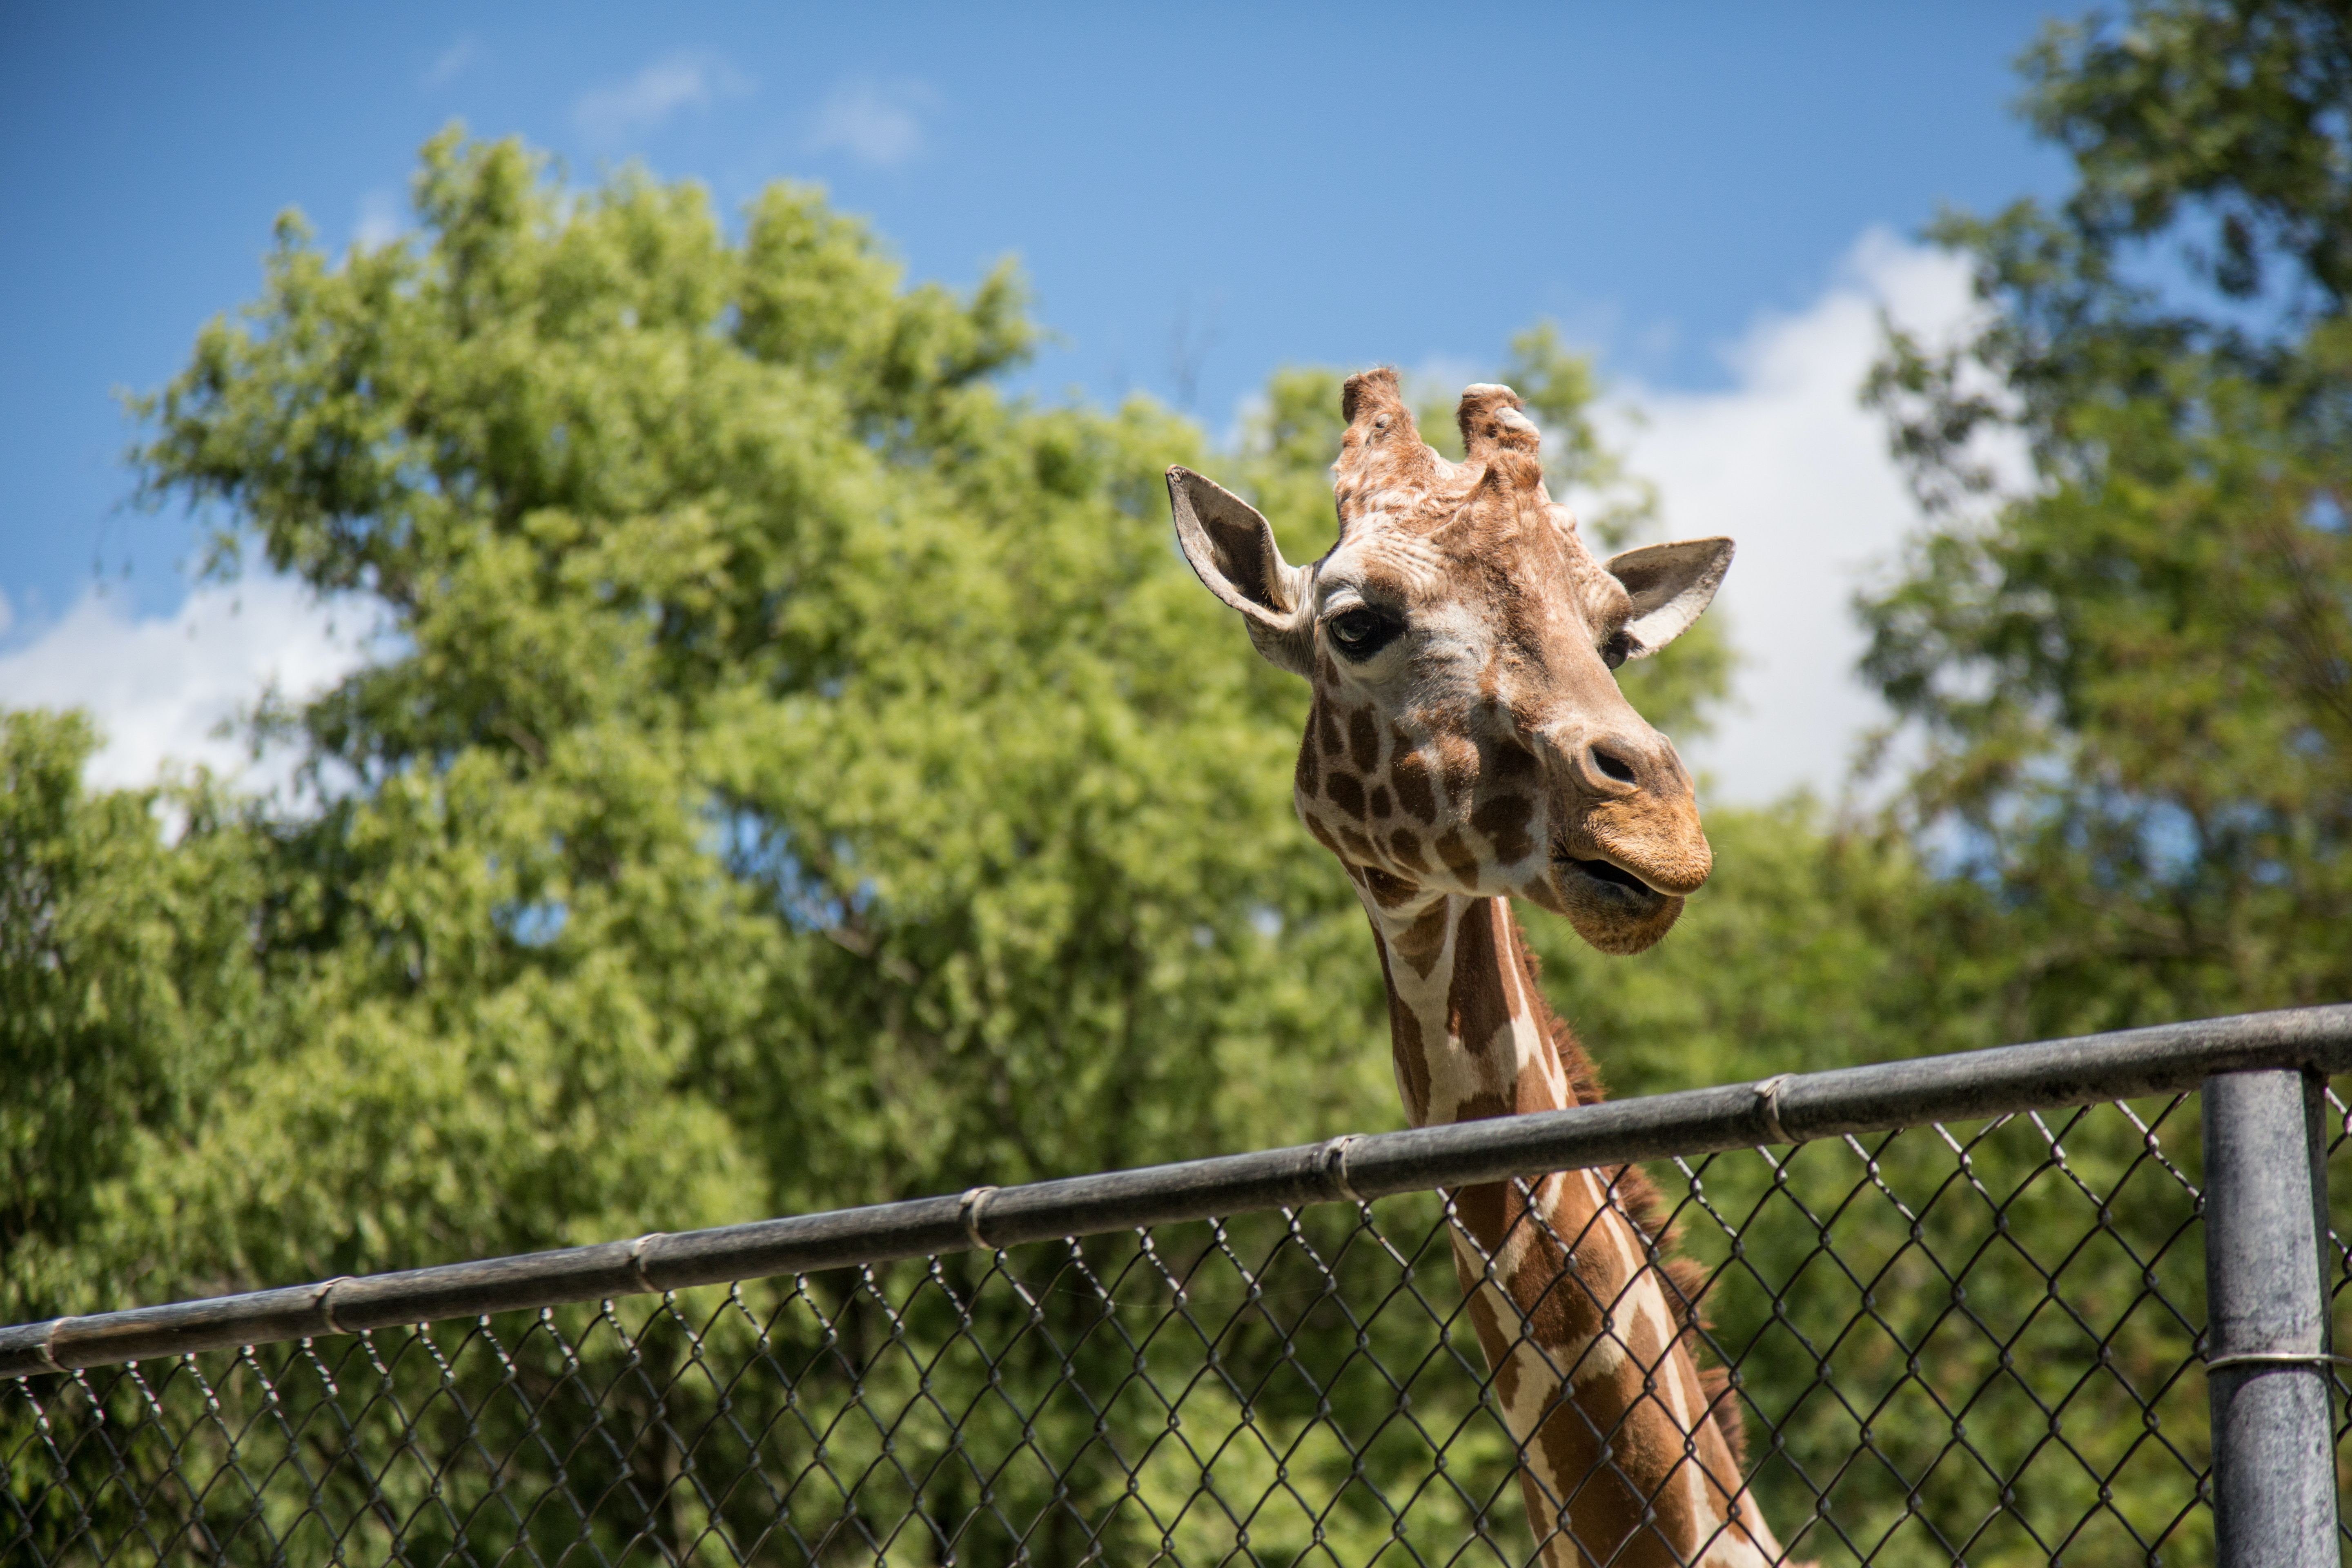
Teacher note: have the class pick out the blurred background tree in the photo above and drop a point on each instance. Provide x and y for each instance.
(2124, 659)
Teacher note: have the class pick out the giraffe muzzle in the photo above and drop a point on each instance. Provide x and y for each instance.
(1621, 864)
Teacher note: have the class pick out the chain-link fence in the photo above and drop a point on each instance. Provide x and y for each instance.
(1964, 1312)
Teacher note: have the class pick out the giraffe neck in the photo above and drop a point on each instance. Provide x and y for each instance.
(1471, 1034)
(1625, 1461)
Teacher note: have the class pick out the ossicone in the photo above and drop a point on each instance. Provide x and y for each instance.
(1491, 421)
(1379, 384)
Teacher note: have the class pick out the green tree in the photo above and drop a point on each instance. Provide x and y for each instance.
(126, 986)
(2133, 673)
(790, 785)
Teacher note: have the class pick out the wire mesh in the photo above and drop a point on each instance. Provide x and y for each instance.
(1951, 1343)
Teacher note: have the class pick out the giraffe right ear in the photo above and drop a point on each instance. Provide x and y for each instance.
(1231, 548)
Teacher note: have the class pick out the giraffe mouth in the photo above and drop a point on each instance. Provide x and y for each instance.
(1607, 871)
(1621, 886)
(1611, 907)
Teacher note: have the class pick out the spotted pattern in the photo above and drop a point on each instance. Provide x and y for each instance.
(1459, 857)
(1587, 1329)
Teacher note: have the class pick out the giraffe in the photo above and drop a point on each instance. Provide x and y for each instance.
(1467, 742)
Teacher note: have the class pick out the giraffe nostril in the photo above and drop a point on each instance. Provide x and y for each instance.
(1613, 766)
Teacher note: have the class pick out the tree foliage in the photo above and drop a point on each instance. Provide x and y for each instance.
(2133, 672)
(124, 990)
(796, 776)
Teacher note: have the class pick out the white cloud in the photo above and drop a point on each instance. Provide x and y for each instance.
(382, 219)
(159, 686)
(454, 61)
(876, 123)
(686, 80)
(1791, 465)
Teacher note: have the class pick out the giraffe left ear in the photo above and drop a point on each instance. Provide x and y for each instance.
(1231, 550)
(1670, 584)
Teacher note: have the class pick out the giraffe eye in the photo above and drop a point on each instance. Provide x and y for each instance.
(1363, 632)
(1615, 651)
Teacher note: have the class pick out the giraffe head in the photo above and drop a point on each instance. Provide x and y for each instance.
(1467, 736)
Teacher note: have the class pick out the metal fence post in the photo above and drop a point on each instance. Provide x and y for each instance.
(2266, 1335)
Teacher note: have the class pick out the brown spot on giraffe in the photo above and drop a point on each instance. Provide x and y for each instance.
(1455, 850)
(1405, 849)
(1457, 761)
(1408, 1052)
(1423, 942)
(1504, 820)
(1514, 766)
(1478, 999)
(1345, 792)
(1488, 1323)
(1536, 1089)
(1389, 890)
(1509, 743)
(1364, 740)
(1326, 730)
(1322, 833)
(1409, 775)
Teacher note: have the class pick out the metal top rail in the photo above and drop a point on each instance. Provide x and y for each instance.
(1790, 1108)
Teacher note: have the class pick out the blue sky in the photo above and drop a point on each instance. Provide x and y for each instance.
(1198, 194)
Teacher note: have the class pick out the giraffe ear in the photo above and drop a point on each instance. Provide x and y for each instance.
(1231, 548)
(1670, 584)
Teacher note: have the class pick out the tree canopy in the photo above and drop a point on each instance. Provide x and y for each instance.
(791, 785)
(2133, 668)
